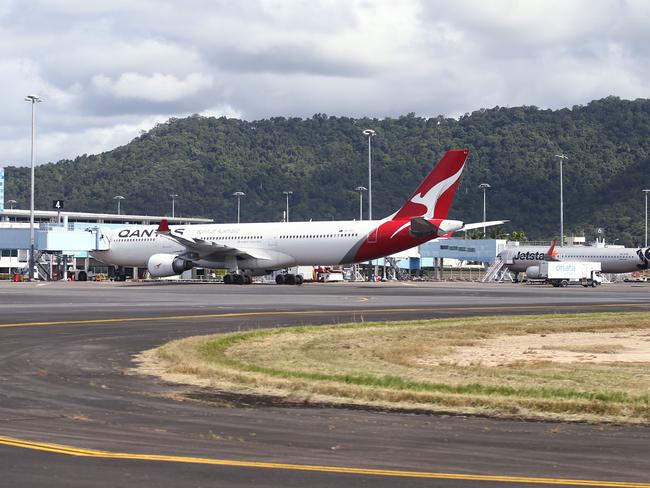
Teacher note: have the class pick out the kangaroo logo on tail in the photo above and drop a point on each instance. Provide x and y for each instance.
(433, 197)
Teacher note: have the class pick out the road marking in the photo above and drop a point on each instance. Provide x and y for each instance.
(94, 453)
(313, 312)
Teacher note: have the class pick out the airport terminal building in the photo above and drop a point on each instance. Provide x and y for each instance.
(62, 239)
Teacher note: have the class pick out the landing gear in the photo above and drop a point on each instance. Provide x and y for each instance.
(237, 279)
(289, 279)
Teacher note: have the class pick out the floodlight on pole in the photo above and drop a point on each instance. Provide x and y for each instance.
(119, 198)
(286, 194)
(33, 99)
(369, 133)
(11, 204)
(173, 196)
(361, 189)
(238, 194)
(484, 187)
(561, 157)
(646, 191)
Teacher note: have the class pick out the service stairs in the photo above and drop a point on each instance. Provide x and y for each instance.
(397, 272)
(497, 271)
(42, 265)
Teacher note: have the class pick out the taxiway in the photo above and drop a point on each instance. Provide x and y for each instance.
(71, 414)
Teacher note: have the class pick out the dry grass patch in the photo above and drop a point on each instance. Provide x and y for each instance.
(415, 365)
(586, 348)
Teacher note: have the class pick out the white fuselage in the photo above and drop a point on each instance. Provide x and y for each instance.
(278, 244)
(613, 260)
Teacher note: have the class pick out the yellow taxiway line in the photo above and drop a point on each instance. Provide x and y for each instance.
(93, 453)
(313, 312)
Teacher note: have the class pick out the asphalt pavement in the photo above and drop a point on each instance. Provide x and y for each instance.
(73, 414)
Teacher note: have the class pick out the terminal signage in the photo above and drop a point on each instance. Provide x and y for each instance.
(57, 204)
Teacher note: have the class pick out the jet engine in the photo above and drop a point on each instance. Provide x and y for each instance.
(644, 256)
(532, 272)
(161, 265)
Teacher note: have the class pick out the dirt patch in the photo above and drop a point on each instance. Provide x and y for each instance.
(573, 347)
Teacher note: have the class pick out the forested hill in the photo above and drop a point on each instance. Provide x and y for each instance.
(322, 160)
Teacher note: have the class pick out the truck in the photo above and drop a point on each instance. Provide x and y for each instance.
(561, 273)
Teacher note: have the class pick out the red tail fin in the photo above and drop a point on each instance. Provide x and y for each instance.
(433, 197)
(551, 254)
(163, 226)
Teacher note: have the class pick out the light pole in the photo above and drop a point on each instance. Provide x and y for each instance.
(173, 196)
(287, 193)
(369, 133)
(561, 157)
(119, 198)
(484, 187)
(11, 204)
(646, 216)
(361, 189)
(238, 194)
(33, 99)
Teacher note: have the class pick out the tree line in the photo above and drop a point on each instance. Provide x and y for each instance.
(323, 159)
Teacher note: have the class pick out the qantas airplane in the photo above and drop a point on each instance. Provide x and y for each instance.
(256, 249)
(612, 259)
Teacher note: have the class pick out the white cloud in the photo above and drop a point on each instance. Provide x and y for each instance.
(157, 87)
(107, 68)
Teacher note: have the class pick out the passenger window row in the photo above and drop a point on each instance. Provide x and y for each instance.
(319, 236)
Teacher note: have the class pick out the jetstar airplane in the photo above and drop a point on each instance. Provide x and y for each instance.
(248, 250)
(612, 259)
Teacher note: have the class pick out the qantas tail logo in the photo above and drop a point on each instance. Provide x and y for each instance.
(433, 197)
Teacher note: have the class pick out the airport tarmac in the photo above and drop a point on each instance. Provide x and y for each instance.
(72, 415)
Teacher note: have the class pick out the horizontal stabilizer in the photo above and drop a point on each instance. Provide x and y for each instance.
(480, 225)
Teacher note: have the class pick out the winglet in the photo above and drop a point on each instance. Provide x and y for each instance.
(163, 226)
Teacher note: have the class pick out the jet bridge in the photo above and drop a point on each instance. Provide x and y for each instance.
(53, 245)
(52, 237)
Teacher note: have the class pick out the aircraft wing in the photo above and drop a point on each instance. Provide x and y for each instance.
(197, 248)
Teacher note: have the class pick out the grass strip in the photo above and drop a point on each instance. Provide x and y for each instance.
(371, 363)
(216, 351)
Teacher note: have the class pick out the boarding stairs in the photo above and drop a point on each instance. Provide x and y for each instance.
(42, 263)
(397, 272)
(498, 272)
(355, 274)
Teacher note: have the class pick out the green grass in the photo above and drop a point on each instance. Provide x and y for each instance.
(380, 364)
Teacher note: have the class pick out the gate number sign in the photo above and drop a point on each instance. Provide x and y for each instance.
(57, 204)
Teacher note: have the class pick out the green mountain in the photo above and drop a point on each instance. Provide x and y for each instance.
(322, 160)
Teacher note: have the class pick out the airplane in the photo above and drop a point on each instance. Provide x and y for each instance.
(612, 259)
(255, 249)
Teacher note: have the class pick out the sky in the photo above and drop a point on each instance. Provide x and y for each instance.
(109, 69)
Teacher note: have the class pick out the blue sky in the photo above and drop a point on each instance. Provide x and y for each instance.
(110, 69)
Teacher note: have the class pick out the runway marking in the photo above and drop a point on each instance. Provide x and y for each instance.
(313, 312)
(94, 453)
